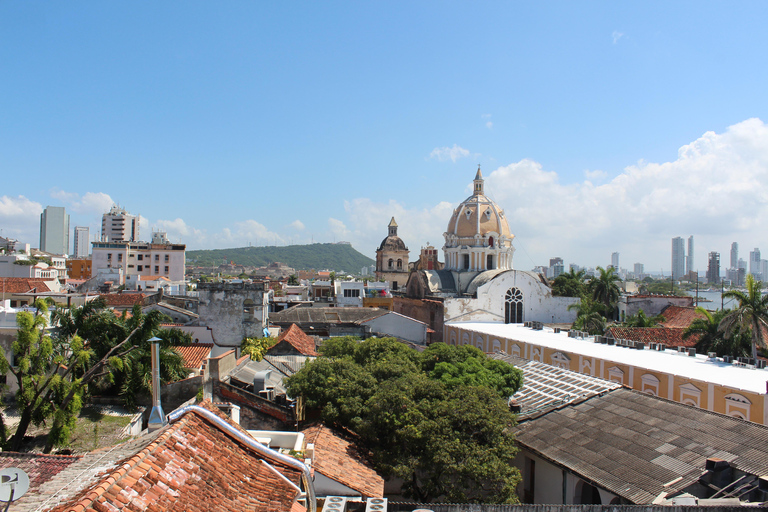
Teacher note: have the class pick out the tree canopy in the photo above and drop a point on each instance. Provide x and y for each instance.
(438, 419)
(750, 314)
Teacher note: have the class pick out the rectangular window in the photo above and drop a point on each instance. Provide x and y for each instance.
(166, 269)
(352, 293)
(119, 257)
(141, 267)
(157, 269)
(157, 257)
(109, 256)
(141, 257)
(166, 258)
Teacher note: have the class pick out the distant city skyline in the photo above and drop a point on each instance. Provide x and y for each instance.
(244, 124)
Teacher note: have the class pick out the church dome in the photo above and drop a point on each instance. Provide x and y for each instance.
(392, 242)
(478, 216)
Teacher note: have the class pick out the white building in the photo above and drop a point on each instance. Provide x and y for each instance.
(349, 294)
(82, 245)
(54, 230)
(158, 258)
(119, 225)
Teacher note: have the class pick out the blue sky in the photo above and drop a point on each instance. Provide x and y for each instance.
(600, 126)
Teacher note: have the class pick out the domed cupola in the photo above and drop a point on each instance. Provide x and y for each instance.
(478, 236)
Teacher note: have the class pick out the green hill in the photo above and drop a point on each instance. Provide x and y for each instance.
(338, 257)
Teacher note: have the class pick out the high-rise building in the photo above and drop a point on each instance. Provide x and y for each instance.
(615, 261)
(54, 230)
(119, 225)
(713, 268)
(82, 245)
(689, 260)
(734, 255)
(754, 262)
(678, 257)
(556, 267)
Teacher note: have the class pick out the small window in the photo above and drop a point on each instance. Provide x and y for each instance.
(141, 257)
(391, 263)
(109, 256)
(157, 257)
(119, 257)
(157, 269)
(166, 269)
(166, 258)
(140, 268)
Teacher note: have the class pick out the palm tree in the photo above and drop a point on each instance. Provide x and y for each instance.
(569, 284)
(605, 290)
(711, 337)
(641, 320)
(589, 316)
(751, 313)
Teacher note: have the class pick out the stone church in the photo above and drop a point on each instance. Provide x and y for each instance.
(392, 259)
(478, 282)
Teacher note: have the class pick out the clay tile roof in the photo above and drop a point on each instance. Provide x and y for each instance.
(191, 465)
(679, 316)
(39, 468)
(23, 285)
(124, 299)
(298, 340)
(194, 355)
(339, 459)
(670, 337)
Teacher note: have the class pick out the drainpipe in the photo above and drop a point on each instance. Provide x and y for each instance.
(156, 416)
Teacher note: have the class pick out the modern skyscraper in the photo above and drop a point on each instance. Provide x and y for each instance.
(754, 262)
(117, 225)
(556, 267)
(639, 271)
(54, 230)
(713, 268)
(615, 261)
(734, 255)
(678, 257)
(689, 260)
(81, 247)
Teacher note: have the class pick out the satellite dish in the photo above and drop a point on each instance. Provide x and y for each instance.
(14, 483)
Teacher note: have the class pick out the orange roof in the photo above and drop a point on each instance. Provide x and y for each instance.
(193, 464)
(679, 316)
(339, 459)
(194, 355)
(670, 337)
(295, 337)
(153, 278)
(23, 285)
(124, 299)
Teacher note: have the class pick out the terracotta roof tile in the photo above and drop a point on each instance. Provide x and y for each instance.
(39, 468)
(194, 355)
(340, 459)
(191, 465)
(670, 337)
(23, 285)
(296, 338)
(679, 316)
(124, 299)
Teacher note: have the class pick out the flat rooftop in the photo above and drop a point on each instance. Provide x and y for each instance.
(698, 367)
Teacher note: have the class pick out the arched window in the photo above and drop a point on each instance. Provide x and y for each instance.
(399, 264)
(391, 263)
(489, 262)
(513, 306)
(490, 242)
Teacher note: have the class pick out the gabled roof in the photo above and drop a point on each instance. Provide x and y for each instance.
(189, 465)
(175, 309)
(632, 444)
(194, 355)
(23, 285)
(338, 458)
(679, 316)
(296, 338)
(39, 468)
(669, 337)
(124, 299)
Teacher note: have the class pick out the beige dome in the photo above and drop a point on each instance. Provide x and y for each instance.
(478, 215)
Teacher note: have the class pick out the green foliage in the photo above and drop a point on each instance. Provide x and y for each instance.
(437, 419)
(589, 316)
(641, 320)
(713, 339)
(751, 313)
(293, 280)
(571, 284)
(340, 257)
(604, 290)
(257, 347)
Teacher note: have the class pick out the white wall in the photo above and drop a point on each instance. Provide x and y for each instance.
(400, 326)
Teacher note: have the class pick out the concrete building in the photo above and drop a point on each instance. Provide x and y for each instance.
(158, 258)
(615, 261)
(689, 262)
(754, 263)
(734, 255)
(713, 268)
(392, 259)
(118, 225)
(555, 267)
(639, 271)
(82, 245)
(678, 257)
(54, 230)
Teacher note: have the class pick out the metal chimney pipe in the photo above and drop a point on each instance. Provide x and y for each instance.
(156, 416)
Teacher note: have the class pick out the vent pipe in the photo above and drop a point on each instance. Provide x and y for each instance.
(156, 416)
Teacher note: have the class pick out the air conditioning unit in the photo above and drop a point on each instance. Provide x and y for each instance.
(712, 355)
(335, 504)
(692, 352)
(376, 505)
(681, 350)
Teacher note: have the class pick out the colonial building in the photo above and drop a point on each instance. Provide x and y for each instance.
(156, 258)
(392, 259)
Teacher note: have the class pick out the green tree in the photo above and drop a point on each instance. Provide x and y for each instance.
(293, 280)
(751, 313)
(437, 419)
(712, 338)
(570, 284)
(641, 320)
(605, 290)
(589, 316)
(256, 347)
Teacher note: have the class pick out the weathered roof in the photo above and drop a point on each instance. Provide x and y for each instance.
(187, 464)
(296, 338)
(338, 458)
(631, 443)
(194, 355)
(670, 337)
(679, 316)
(280, 366)
(393, 243)
(124, 299)
(175, 309)
(23, 285)
(311, 315)
(39, 468)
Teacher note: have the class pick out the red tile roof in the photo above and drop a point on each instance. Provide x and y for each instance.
(679, 316)
(340, 459)
(194, 355)
(23, 284)
(297, 339)
(124, 299)
(670, 337)
(39, 468)
(193, 464)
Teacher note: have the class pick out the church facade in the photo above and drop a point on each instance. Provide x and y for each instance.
(392, 259)
(478, 282)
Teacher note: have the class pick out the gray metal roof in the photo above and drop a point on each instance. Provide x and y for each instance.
(631, 443)
(310, 315)
(280, 366)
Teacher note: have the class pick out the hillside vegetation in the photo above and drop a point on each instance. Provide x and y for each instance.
(338, 257)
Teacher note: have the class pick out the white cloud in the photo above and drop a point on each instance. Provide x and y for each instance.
(20, 219)
(488, 122)
(93, 203)
(338, 228)
(297, 225)
(616, 35)
(445, 153)
(596, 175)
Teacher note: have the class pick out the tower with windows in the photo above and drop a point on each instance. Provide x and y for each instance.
(392, 259)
